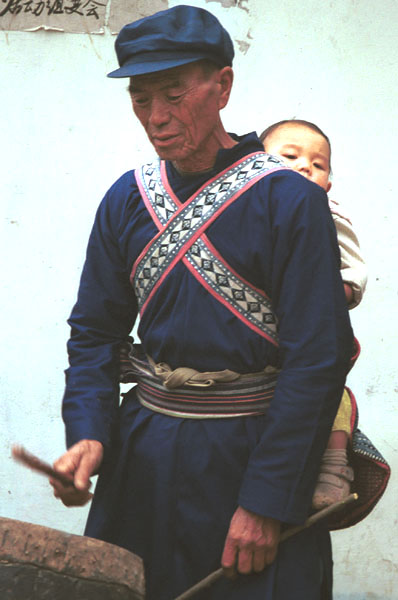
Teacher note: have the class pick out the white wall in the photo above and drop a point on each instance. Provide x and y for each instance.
(67, 132)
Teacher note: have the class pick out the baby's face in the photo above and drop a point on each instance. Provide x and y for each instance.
(302, 149)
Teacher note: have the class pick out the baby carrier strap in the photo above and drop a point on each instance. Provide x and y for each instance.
(182, 237)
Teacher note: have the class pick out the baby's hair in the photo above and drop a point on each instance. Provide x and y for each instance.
(267, 132)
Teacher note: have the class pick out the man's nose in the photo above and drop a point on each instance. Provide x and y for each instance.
(159, 114)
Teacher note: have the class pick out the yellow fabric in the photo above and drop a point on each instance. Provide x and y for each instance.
(342, 421)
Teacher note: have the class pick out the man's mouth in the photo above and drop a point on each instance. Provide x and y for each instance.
(164, 139)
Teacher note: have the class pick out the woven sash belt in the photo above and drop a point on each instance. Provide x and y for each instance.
(188, 393)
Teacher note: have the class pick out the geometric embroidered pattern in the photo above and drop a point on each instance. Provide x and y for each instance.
(250, 303)
(181, 237)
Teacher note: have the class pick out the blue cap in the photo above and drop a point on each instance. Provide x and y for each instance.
(171, 38)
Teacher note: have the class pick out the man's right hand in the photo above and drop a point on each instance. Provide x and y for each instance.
(251, 543)
(78, 463)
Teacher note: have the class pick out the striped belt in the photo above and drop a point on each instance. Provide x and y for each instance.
(248, 395)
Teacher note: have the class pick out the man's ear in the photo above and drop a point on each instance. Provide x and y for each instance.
(129, 90)
(225, 79)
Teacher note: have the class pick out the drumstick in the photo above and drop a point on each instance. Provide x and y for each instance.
(33, 462)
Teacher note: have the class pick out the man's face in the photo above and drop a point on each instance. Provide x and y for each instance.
(179, 110)
(302, 149)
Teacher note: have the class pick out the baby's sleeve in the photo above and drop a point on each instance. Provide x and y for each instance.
(353, 267)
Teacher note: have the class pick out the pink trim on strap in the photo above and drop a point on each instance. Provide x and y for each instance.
(167, 186)
(147, 201)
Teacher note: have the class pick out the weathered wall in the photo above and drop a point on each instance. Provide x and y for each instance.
(68, 132)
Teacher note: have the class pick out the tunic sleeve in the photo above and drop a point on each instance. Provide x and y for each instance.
(353, 268)
(102, 317)
(315, 343)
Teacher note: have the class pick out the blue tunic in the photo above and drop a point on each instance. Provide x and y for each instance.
(168, 487)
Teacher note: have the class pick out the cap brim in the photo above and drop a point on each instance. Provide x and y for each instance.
(141, 68)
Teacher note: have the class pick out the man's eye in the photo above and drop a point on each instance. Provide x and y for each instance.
(174, 97)
(140, 101)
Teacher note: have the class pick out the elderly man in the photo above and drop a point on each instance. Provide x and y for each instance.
(232, 262)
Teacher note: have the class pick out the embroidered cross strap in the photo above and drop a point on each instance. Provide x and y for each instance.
(187, 393)
(182, 237)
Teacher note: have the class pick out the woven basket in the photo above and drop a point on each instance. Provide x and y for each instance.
(371, 475)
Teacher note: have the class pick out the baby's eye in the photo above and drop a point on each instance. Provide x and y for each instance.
(289, 156)
(319, 166)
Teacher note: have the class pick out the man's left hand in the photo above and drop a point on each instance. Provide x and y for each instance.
(251, 543)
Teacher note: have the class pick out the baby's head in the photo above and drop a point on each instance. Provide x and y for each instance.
(303, 147)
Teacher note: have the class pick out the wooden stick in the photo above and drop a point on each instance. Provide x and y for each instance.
(33, 462)
(318, 516)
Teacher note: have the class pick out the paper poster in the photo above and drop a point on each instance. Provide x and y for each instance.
(72, 16)
(82, 16)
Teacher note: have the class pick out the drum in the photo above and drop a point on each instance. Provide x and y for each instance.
(39, 563)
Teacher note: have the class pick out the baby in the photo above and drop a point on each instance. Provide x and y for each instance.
(306, 149)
